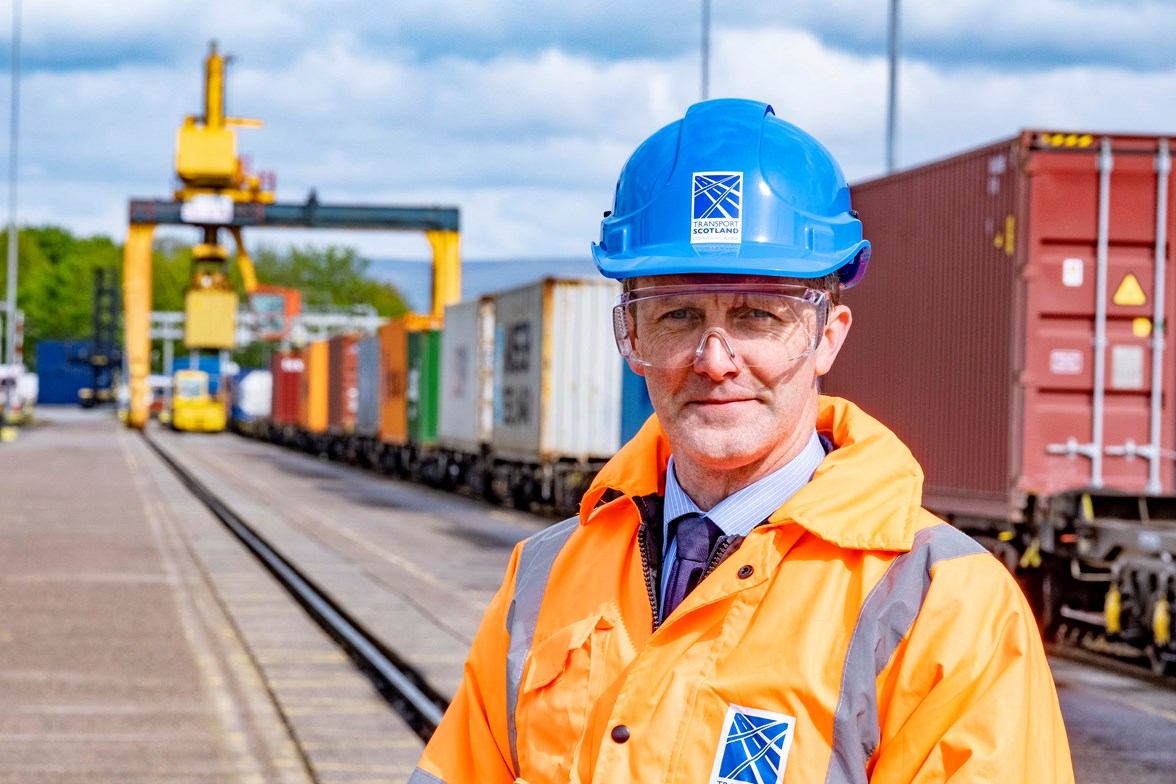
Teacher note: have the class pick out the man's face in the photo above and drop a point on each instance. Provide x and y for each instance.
(723, 415)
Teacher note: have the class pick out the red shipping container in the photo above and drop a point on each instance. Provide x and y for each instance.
(1006, 327)
(287, 368)
(342, 383)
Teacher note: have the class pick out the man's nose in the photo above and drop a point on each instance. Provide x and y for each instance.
(714, 356)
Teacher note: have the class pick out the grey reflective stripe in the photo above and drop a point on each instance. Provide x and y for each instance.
(535, 562)
(420, 777)
(886, 616)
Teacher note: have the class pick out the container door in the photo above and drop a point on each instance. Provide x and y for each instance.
(394, 361)
(456, 428)
(519, 375)
(424, 363)
(1097, 384)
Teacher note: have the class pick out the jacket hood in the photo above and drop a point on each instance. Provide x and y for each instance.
(865, 495)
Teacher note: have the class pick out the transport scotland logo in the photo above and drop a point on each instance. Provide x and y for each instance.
(754, 747)
(717, 207)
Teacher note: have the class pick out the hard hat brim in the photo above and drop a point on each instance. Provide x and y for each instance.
(748, 258)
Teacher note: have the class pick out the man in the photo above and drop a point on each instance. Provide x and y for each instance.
(816, 625)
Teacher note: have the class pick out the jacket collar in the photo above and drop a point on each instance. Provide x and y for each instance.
(864, 496)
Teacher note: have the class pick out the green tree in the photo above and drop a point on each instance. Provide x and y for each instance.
(331, 277)
(55, 282)
(55, 287)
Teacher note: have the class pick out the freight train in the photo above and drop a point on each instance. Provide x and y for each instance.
(520, 395)
(1012, 331)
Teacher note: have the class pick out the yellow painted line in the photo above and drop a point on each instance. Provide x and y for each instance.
(290, 656)
(321, 712)
(383, 742)
(320, 683)
(359, 767)
(439, 657)
(341, 702)
(391, 558)
(1141, 706)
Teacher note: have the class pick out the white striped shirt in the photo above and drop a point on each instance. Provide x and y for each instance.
(737, 514)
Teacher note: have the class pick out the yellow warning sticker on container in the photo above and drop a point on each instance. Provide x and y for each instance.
(1129, 292)
(1141, 327)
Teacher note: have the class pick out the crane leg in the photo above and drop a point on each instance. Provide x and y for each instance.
(137, 318)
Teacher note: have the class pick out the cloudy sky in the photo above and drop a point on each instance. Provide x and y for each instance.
(521, 113)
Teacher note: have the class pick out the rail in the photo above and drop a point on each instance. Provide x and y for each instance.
(405, 689)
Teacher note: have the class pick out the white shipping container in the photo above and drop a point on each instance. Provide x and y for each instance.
(557, 374)
(254, 396)
(466, 417)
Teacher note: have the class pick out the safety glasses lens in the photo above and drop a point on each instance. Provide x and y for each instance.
(670, 326)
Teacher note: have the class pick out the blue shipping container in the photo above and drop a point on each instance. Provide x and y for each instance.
(63, 369)
(209, 362)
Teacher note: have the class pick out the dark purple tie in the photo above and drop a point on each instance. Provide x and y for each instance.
(697, 535)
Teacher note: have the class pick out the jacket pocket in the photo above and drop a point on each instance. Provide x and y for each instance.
(565, 674)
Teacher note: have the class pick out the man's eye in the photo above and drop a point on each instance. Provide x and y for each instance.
(757, 314)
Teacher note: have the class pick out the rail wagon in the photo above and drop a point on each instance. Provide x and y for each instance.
(1011, 331)
(518, 395)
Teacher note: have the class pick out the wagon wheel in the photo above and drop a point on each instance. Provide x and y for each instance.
(1162, 659)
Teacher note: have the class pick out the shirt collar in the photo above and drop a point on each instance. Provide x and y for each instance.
(737, 514)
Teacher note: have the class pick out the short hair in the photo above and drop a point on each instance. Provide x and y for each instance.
(830, 284)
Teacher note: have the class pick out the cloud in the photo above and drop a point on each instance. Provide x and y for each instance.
(1029, 35)
(523, 117)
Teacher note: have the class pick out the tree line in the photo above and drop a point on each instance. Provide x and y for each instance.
(55, 285)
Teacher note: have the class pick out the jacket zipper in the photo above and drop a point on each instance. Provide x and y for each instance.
(717, 557)
(646, 560)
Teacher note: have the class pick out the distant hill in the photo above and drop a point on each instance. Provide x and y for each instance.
(415, 278)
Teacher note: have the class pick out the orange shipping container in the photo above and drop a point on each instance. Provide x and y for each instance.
(394, 347)
(394, 407)
(313, 414)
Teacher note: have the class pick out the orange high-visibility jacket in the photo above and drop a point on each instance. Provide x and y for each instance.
(853, 637)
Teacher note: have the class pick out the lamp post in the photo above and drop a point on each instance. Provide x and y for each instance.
(10, 310)
(705, 49)
(892, 99)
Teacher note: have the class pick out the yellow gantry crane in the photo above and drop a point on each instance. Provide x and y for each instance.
(216, 193)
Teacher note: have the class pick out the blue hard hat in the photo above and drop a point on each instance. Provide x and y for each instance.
(732, 189)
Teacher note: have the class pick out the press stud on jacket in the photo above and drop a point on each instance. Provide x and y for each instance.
(882, 644)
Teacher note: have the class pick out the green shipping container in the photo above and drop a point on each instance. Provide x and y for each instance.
(424, 373)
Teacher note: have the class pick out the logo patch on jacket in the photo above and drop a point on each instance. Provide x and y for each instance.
(717, 211)
(753, 747)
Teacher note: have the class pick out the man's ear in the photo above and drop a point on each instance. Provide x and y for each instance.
(637, 368)
(836, 329)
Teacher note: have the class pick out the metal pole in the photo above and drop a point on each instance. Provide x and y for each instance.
(892, 97)
(10, 322)
(705, 49)
(1163, 167)
(1106, 164)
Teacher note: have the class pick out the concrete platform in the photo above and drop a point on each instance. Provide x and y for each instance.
(416, 566)
(140, 643)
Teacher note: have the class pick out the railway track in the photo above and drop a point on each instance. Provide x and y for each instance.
(421, 707)
(1089, 645)
(405, 690)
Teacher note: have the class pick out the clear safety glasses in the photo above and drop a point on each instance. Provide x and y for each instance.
(760, 324)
